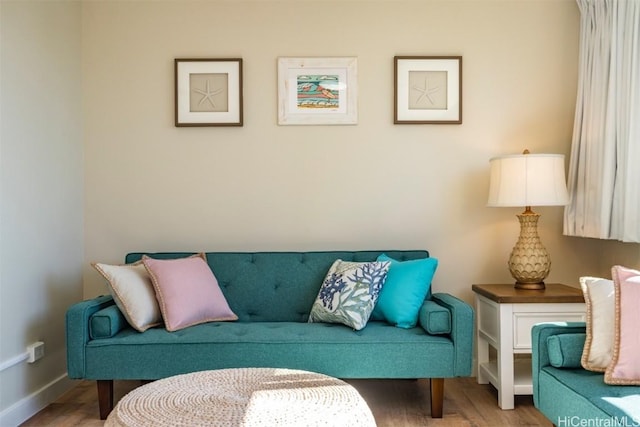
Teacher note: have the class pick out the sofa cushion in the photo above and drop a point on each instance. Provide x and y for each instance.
(349, 292)
(565, 350)
(624, 367)
(187, 292)
(378, 351)
(406, 288)
(133, 293)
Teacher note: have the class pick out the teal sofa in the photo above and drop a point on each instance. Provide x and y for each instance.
(569, 395)
(272, 294)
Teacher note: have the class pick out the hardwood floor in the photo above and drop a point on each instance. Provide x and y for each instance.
(394, 403)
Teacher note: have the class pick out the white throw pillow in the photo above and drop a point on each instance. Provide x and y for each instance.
(132, 290)
(599, 296)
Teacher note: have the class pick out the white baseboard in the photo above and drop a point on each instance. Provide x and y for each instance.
(30, 405)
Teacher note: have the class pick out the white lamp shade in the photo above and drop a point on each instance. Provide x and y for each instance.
(527, 180)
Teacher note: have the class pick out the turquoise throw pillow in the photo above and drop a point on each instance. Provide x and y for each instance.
(404, 291)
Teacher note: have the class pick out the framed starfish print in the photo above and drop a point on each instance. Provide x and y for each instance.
(208, 92)
(428, 90)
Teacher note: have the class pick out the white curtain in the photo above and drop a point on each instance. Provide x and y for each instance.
(604, 170)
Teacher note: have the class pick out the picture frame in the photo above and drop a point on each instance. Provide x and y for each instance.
(317, 91)
(427, 90)
(208, 92)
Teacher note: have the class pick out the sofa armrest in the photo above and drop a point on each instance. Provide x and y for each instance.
(539, 346)
(77, 330)
(462, 331)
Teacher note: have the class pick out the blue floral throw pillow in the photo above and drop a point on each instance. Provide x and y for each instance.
(349, 293)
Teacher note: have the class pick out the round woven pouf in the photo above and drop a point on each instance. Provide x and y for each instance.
(243, 397)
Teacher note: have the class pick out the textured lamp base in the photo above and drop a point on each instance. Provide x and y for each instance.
(529, 262)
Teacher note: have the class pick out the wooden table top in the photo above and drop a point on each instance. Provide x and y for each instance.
(507, 293)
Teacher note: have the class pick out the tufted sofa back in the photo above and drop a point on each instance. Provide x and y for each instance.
(275, 286)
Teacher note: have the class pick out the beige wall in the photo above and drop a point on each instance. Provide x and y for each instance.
(151, 186)
(41, 219)
(618, 253)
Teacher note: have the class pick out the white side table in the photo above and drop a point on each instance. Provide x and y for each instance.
(505, 317)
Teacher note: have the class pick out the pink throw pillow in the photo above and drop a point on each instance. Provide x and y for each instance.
(625, 364)
(187, 291)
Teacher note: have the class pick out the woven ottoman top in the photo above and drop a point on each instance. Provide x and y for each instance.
(243, 397)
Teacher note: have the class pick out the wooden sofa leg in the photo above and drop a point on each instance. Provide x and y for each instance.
(437, 397)
(105, 398)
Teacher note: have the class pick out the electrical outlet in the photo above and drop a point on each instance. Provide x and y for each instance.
(36, 351)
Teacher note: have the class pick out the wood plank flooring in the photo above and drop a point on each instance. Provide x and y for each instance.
(394, 403)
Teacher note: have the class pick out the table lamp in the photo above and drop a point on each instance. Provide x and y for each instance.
(526, 180)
